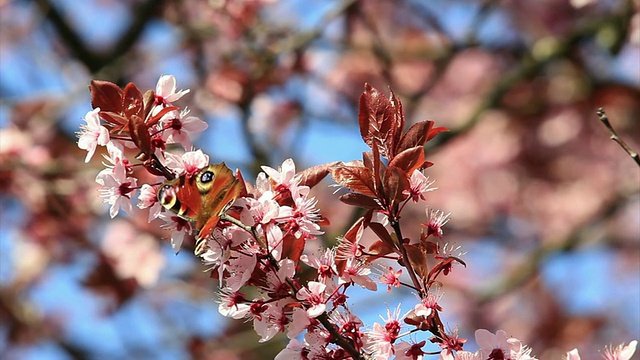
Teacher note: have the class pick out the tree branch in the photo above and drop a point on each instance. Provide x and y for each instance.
(614, 136)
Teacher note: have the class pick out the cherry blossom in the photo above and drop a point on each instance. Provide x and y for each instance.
(179, 229)
(410, 351)
(284, 177)
(92, 134)
(188, 163)
(390, 278)
(233, 304)
(299, 322)
(436, 219)
(450, 343)
(239, 269)
(418, 186)
(276, 282)
(357, 271)
(501, 346)
(114, 155)
(573, 355)
(324, 263)
(259, 243)
(148, 199)
(293, 351)
(381, 338)
(429, 303)
(166, 90)
(304, 218)
(468, 355)
(271, 322)
(116, 188)
(313, 294)
(179, 127)
(620, 352)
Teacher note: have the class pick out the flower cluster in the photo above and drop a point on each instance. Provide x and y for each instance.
(252, 237)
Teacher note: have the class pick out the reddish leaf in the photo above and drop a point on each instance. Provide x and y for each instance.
(149, 101)
(435, 131)
(106, 95)
(398, 122)
(429, 246)
(117, 121)
(396, 182)
(139, 132)
(292, 247)
(359, 200)
(371, 160)
(355, 178)
(409, 160)
(376, 120)
(418, 134)
(382, 234)
(379, 249)
(355, 231)
(418, 260)
(313, 175)
(132, 102)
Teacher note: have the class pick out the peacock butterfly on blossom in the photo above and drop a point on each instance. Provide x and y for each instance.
(201, 198)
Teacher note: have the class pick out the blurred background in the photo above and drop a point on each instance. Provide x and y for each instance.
(545, 205)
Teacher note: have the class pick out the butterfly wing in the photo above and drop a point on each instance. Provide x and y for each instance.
(220, 195)
(202, 198)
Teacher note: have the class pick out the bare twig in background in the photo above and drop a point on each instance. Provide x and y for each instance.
(614, 136)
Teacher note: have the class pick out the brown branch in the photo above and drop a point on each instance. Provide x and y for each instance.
(614, 136)
(94, 59)
(530, 65)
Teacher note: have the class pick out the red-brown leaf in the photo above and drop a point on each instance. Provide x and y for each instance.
(418, 134)
(139, 132)
(355, 231)
(418, 260)
(149, 101)
(371, 160)
(396, 182)
(117, 121)
(379, 249)
(132, 102)
(313, 175)
(382, 234)
(376, 120)
(292, 247)
(409, 159)
(359, 200)
(355, 178)
(106, 95)
(398, 122)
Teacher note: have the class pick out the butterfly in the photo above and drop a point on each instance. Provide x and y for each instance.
(202, 198)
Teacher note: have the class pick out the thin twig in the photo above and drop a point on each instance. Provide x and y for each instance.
(614, 136)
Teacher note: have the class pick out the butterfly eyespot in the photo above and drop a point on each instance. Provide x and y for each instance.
(167, 196)
(206, 177)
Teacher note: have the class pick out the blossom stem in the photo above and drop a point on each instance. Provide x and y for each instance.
(409, 286)
(395, 224)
